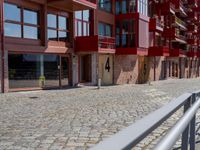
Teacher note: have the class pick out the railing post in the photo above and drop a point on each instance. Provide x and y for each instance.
(192, 126)
(184, 142)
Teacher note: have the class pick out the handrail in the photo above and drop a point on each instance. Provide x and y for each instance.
(168, 141)
(132, 135)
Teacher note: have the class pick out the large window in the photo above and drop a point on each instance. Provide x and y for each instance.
(105, 5)
(125, 6)
(57, 27)
(20, 22)
(143, 7)
(28, 70)
(125, 34)
(105, 29)
(82, 23)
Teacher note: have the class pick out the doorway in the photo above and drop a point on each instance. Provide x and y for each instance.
(85, 68)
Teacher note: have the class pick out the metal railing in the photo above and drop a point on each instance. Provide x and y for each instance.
(179, 21)
(107, 42)
(132, 135)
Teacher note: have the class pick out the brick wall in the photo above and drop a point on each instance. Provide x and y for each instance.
(125, 69)
(161, 68)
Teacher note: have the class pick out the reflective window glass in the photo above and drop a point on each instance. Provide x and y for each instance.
(62, 23)
(12, 30)
(30, 32)
(51, 20)
(11, 12)
(62, 36)
(52, 34)
(30, 17)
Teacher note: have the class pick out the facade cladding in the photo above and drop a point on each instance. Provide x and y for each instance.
(61, 43)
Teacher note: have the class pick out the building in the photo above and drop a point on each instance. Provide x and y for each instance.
(60, 43)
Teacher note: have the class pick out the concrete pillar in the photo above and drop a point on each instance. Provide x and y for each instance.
(94, 68)
(75, 75)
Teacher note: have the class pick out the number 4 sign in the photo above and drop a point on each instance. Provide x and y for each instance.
(107, 66)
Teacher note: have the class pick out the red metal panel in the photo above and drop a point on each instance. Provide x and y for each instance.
(158, 51)
(132, 51)
(176, 53)
(95, 44)
(191, 54)
(86, 43)
(198, 54)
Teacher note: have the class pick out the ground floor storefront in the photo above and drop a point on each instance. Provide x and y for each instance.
(27, 71)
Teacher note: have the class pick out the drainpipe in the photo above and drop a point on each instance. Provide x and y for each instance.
(2, 47)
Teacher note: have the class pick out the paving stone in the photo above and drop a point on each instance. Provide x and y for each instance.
(80, 118)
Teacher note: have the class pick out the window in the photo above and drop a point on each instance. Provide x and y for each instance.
(125, 33)
(57, 27)
(15, 26)
(125, 6)
(105, 5)
(143, 7)
(105, 29)
(82, 23)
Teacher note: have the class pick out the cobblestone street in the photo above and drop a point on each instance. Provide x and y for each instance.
(79, 118)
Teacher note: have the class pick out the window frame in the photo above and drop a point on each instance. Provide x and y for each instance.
(105, 25)
(57, 29)
(22, 23)
(82, 22)
(129, 35)
(104, 8)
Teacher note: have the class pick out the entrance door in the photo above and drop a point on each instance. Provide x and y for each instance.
(164, 69)
(143, 69)
(85, 68)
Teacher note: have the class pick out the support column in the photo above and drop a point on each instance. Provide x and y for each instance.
(2, 49)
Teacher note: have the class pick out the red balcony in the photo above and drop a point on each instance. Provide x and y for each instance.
(179, 6)
(73, 5)
(176, 53)
(198, 53)
(158, 51)
(198, 42)
(95, 43)
(155, 25)
(192, 28)
(132, 51)
(192, 41)
(193, 3)
(173, 34)
(193, 16)
(191, 54)
(167, 7)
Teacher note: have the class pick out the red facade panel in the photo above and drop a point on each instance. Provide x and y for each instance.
(95, 44)
(158, 51)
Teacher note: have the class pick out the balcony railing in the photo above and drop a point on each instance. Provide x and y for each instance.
(155, 24)
(107, 42)
(183, 7)
(179, 21)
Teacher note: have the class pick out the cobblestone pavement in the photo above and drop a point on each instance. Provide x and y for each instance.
(79, 118)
